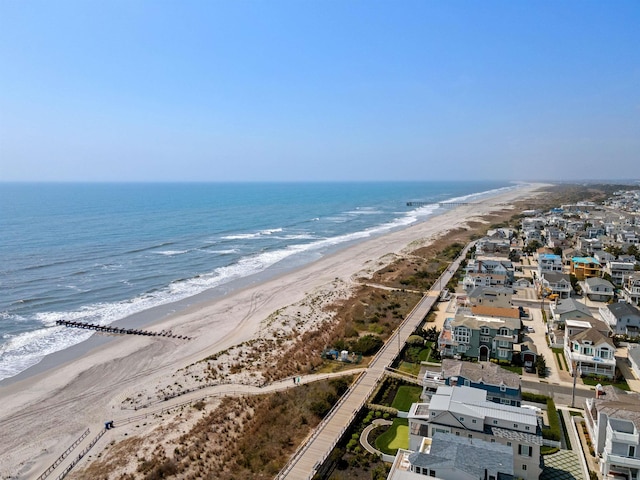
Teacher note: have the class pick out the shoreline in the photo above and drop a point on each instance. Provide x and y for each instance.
(154, 315)
(85, 388)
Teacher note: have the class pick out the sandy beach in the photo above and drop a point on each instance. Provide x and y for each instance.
(42, 414)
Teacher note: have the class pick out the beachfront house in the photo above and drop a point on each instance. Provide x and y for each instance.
(454, 457)
(475, 280)
(612, 418)
(465, 412)
(496, 267)
(501, 385)
(622, 318)
(480, 336)
(491, 297)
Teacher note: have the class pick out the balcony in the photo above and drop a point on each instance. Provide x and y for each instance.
(622, 437)
(619, 460)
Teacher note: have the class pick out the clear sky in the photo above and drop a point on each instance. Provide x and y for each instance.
(271, 90)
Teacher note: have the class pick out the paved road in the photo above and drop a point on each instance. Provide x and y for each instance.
(315, 450)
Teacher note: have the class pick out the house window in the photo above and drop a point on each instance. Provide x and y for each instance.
(525, 450)
(503, 388)
(576, 347)
(515, 425)
(470, 436)
(588, 351)
(462, 334)
(503, 353)
(508, 444)
(474, 421)
(467, 383)
(527, 427)
(485, 331)
(503, 343)
(462, 419)
(503, 331)
(495, 422)
(457, 434)
(505, 401)
(605, 353)
(432, 473)
(632, 450)
(524, 467)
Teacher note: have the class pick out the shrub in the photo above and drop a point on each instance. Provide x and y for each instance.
(367, 345)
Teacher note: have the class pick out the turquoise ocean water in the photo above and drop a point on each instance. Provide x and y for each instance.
(102, 252)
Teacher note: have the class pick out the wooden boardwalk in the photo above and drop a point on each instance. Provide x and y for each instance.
(315, 450)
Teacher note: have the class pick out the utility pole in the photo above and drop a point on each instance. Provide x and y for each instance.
(575, 378)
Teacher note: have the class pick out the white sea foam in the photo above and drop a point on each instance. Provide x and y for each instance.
(171, 253)
(24, 350)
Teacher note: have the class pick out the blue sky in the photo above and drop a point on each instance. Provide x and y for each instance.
(319, 90)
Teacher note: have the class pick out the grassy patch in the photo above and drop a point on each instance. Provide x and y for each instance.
(410, 368)
(406, 396)
(513, 368)
(622, 385)
(561, 361)
(396, 437)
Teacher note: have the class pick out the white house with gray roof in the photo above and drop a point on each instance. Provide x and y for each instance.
(622, 318)
(454, 458)
(466, 412)
(598, 289)
(613, 421)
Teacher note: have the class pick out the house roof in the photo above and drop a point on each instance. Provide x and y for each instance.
(470, 455)
(480, 372)
(594, 336)
(474, 322)
(623, 309)
(585, 260)
(619, 404)
(555, 277)
(597, 281)
(471, 401)
(570, 305)
(497, 312)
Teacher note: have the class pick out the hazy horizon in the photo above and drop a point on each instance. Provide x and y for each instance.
(289, 91)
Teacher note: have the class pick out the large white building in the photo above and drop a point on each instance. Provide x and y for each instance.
(466, 412)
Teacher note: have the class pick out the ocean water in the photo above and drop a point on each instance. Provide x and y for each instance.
(102, 252)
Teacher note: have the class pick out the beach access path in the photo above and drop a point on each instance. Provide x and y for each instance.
(310, 456)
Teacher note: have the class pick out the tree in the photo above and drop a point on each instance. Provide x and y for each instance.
(532, 246)
(541, 365)
(633, 250)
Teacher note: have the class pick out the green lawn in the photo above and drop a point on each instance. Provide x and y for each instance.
(396, 437)
(410, 368)
(593, 382)
(407, 394)
(513, 368)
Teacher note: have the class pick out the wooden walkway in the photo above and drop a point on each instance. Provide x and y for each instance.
(315, 450)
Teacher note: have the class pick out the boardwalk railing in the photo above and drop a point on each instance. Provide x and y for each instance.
(64, 455)
(84, 451)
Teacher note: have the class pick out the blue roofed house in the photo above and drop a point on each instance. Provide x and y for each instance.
(502, 386)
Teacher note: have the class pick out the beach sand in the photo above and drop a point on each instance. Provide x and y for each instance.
(44, 413)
